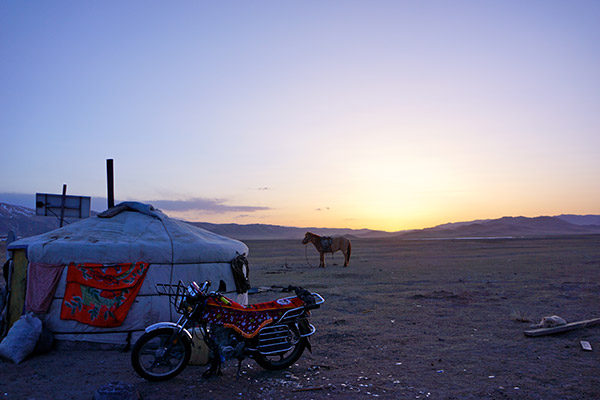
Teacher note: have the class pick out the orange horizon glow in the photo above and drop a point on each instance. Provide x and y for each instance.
(391, 115)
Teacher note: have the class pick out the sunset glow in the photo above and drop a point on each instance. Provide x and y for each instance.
(382, 115)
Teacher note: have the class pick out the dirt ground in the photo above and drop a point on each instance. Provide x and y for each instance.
(406, 320)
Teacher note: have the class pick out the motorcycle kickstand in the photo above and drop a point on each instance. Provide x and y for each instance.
(239, 369)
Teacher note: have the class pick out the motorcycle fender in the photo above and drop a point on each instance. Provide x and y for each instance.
(172, 325)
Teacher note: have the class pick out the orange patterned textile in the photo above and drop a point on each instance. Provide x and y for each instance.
(247, 320)
(101, 295)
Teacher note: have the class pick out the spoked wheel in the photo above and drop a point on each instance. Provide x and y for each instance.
(284, 359)
(158, 356)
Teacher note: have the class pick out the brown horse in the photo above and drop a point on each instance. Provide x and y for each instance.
(326, 244)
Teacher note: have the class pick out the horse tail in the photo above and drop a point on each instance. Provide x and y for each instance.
(349, 249)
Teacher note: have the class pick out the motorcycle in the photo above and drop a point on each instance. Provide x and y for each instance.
(273, 333)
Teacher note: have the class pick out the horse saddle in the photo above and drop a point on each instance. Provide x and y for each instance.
(326, 242)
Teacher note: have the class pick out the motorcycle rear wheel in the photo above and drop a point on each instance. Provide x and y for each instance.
(152, 361)
(282, 360)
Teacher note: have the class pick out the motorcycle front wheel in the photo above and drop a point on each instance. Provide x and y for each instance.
(281, 360)
(160, 355)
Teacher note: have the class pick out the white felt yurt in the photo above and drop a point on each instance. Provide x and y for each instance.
(129, 234)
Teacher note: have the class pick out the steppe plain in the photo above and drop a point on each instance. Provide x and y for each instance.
(408, 319)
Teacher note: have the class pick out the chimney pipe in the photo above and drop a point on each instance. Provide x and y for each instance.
(63, 204)
(110, 183)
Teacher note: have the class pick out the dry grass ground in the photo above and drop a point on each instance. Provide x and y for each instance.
(407, 319)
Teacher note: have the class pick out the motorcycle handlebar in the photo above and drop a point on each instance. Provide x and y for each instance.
(205, 286)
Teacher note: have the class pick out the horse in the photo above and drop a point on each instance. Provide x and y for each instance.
(325, 244)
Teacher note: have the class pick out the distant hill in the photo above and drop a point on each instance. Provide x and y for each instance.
(263, 231)
(580, 219)
(25, 223)
(506, 227)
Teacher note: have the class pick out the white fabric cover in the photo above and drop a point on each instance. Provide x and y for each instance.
(175, 250)
(130, 236)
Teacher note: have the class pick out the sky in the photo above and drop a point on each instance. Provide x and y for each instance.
(387, 115)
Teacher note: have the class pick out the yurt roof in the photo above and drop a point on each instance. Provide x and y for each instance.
(130, 232)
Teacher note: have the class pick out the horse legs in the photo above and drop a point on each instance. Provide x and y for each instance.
(347, 253)
(322, 257)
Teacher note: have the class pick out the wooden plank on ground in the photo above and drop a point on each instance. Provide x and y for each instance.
(562, 328)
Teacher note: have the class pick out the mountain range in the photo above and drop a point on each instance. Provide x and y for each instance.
(25, 223)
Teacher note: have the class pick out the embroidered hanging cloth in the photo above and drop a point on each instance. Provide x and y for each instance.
(101, 295)
(247, 320)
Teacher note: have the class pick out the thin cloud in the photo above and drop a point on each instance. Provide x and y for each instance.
(215, 206)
